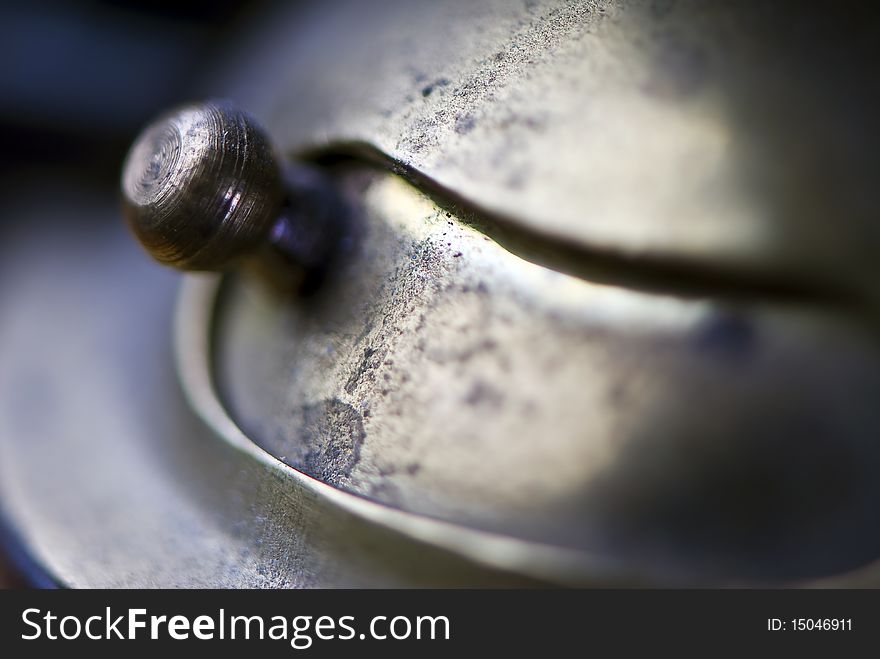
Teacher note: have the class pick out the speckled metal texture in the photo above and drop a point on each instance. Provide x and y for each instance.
(733, 140)
(437, 373)
(610, 318)
(678, 149)
(109, 478)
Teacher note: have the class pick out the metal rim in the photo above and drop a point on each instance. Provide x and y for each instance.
(194, 316)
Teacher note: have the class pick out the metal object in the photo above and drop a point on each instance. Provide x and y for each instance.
(202, 188)
(688, 440)
(600, 325)
(655, 144)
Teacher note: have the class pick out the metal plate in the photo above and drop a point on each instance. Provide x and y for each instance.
(698, 439)
(479, 413)
(731, 140)
(110, 479)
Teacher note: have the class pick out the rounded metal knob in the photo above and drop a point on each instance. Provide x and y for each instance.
(201, 186)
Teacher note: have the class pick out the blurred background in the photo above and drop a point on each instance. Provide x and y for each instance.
(78, 80)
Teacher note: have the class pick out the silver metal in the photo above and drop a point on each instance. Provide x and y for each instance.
(316, 499)
(640, 349)
(721, 139)
(110, 479)
(678, 439)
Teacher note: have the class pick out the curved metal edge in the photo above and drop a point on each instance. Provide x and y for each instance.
(27, 567)
(194, 316)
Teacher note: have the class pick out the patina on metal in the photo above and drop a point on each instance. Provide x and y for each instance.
(679, 438)
(727, 140)
(609, 318)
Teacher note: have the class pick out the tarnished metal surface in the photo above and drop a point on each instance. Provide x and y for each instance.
(443, 375)
(625, 332)
(114, 482)
(674, 147)
(109, 478)
(727, 137)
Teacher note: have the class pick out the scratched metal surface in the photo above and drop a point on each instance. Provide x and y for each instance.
(109, 479)
(440, 374)
(728, 138)
(699, 409)
(701, 402)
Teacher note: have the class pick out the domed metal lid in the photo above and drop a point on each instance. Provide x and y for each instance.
(595, 316)
(726, 140)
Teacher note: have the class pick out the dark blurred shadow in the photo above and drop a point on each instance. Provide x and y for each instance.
(77, 80)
